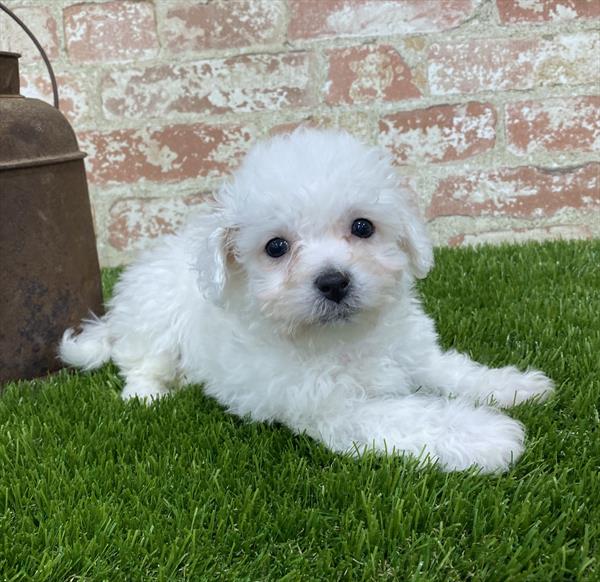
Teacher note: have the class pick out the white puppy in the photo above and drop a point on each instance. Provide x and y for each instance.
(291, 299)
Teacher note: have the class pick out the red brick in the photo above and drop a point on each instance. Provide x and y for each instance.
(223, 24)
(73, 96)
(554, 125)
(368, 73)
(240, 84)
(439, 134)
(516, 11)
(175, 152)
(43, 25)
(343, 18)
(525, 192)
(110, 31)
(521, 235)
(513, 63)
(134, 221)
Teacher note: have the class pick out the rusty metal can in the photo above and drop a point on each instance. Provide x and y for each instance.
(49, 272)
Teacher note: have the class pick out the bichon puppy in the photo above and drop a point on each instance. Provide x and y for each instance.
(290, 297)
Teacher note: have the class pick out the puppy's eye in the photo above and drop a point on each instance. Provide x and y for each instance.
(362, 228)
(277, 247)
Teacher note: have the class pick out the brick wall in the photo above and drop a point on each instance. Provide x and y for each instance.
(490, 107)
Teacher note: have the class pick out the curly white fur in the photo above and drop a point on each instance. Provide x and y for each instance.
(208, 305)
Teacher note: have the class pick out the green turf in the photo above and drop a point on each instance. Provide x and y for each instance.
(95, 489)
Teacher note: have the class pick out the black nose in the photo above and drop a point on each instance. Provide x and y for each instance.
(333, 285)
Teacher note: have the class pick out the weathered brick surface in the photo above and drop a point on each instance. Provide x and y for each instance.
(513, 63)
(358, 123)
(351, 18)
(439, 134)
(223, 24)
(490, 108)
(240, 84)
(134, 221)
(521, 235)
(368, 73)
(74, 98)
(554, 125)
(43, 25)
(520, 11)
(111, 31)
(524, 192)
(176, 152)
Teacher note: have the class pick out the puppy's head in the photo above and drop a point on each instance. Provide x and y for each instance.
(313, 230)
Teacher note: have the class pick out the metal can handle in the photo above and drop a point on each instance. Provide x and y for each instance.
(39, 47)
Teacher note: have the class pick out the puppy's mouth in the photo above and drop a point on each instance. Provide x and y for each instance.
(329, 312)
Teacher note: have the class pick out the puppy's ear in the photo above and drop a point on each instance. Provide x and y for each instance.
(216, 275)
(214, 250)
(412, 236)
(417, 244)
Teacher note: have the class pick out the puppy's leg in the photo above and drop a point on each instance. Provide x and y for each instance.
(452, 432)
(149, 378)
(143, 386)
(451, 373)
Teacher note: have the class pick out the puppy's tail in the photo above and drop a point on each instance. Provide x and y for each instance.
(88, 350)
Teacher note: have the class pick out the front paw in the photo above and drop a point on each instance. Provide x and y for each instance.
(483, 438)
(146, 393)
(511, 387)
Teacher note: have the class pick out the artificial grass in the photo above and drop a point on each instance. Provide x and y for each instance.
(92, 488)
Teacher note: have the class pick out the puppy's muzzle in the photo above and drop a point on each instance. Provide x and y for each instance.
(333, 285)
